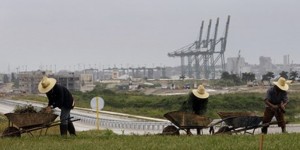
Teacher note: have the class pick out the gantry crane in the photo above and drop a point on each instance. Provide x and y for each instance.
(203, 54)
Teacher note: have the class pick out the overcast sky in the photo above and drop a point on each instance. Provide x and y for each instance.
(36, 34)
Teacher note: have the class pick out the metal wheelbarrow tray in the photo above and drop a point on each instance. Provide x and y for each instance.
(19, 123)
(30, 120)
(186, 120)
(239, 121)
(224, 114)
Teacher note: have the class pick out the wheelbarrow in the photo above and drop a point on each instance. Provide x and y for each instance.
(184, 121)
(19, 123)
(236, 122)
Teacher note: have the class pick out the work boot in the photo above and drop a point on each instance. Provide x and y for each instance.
(71, 129)
(188, 132)
(283, 130)
(198, 131)
(211, 130)
(63, 129)
(264, 130)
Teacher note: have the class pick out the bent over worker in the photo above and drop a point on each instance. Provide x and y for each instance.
(196, 103)
(59, 96)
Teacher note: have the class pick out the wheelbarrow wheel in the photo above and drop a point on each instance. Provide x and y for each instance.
(224, 130)
(11, 132)
(170, 130)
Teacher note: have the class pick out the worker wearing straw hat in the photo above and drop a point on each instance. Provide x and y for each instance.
(58, 96)
(196, 103)
(275, 102)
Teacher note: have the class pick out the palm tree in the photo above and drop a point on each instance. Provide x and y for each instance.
(293, 75)
(226, 76)
(267, 77)
(284, 74)
(248, 76)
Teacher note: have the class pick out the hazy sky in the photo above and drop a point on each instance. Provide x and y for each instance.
(103, 33)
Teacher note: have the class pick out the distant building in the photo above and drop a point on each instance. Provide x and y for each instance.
(246, 68)
(86, 82)
(234, 65)
(115, 73)
(29, 80)
(92, 71)
(286, 60)
(68, 80)
(286, 63)
(2, 78)
(76, 82)
(138, 72)
(265, 64)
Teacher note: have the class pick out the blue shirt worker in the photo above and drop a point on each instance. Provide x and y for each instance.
(275, 102)
(58, 96)
(196, 103)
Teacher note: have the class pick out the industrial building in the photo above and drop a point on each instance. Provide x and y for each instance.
(29, 80)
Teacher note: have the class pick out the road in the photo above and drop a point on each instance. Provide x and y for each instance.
(120, 123)
(117, 122)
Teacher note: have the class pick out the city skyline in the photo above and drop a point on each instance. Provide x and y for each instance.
(80, 67)
(139, 32)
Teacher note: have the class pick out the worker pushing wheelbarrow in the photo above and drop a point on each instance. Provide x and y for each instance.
(59, 97)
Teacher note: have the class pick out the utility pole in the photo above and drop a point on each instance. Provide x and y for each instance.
(238, 64)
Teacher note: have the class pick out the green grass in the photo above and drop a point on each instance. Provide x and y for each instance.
(107, 140)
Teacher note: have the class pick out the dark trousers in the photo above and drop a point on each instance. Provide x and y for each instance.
(66, 124)
(269, 114)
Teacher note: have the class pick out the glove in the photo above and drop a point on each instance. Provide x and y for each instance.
(48, 109)
(274, 108)
(282, 108)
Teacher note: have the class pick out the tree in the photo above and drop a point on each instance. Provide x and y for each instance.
(267, 77)
(5, 78)
(248, 76)
(182, 77)
(226, 76)
(13, 77)
(236, 79)
(231, 77)
(284, 74)
(293, 75)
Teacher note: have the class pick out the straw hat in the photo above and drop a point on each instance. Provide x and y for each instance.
(289, 82)
(46, 84)
(200, 92)
(282, 84)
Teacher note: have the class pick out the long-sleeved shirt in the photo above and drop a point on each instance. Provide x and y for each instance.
(195, 105)
(275, 97)
(60, 97)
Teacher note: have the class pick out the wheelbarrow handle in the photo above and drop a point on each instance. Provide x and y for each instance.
(222, 120)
